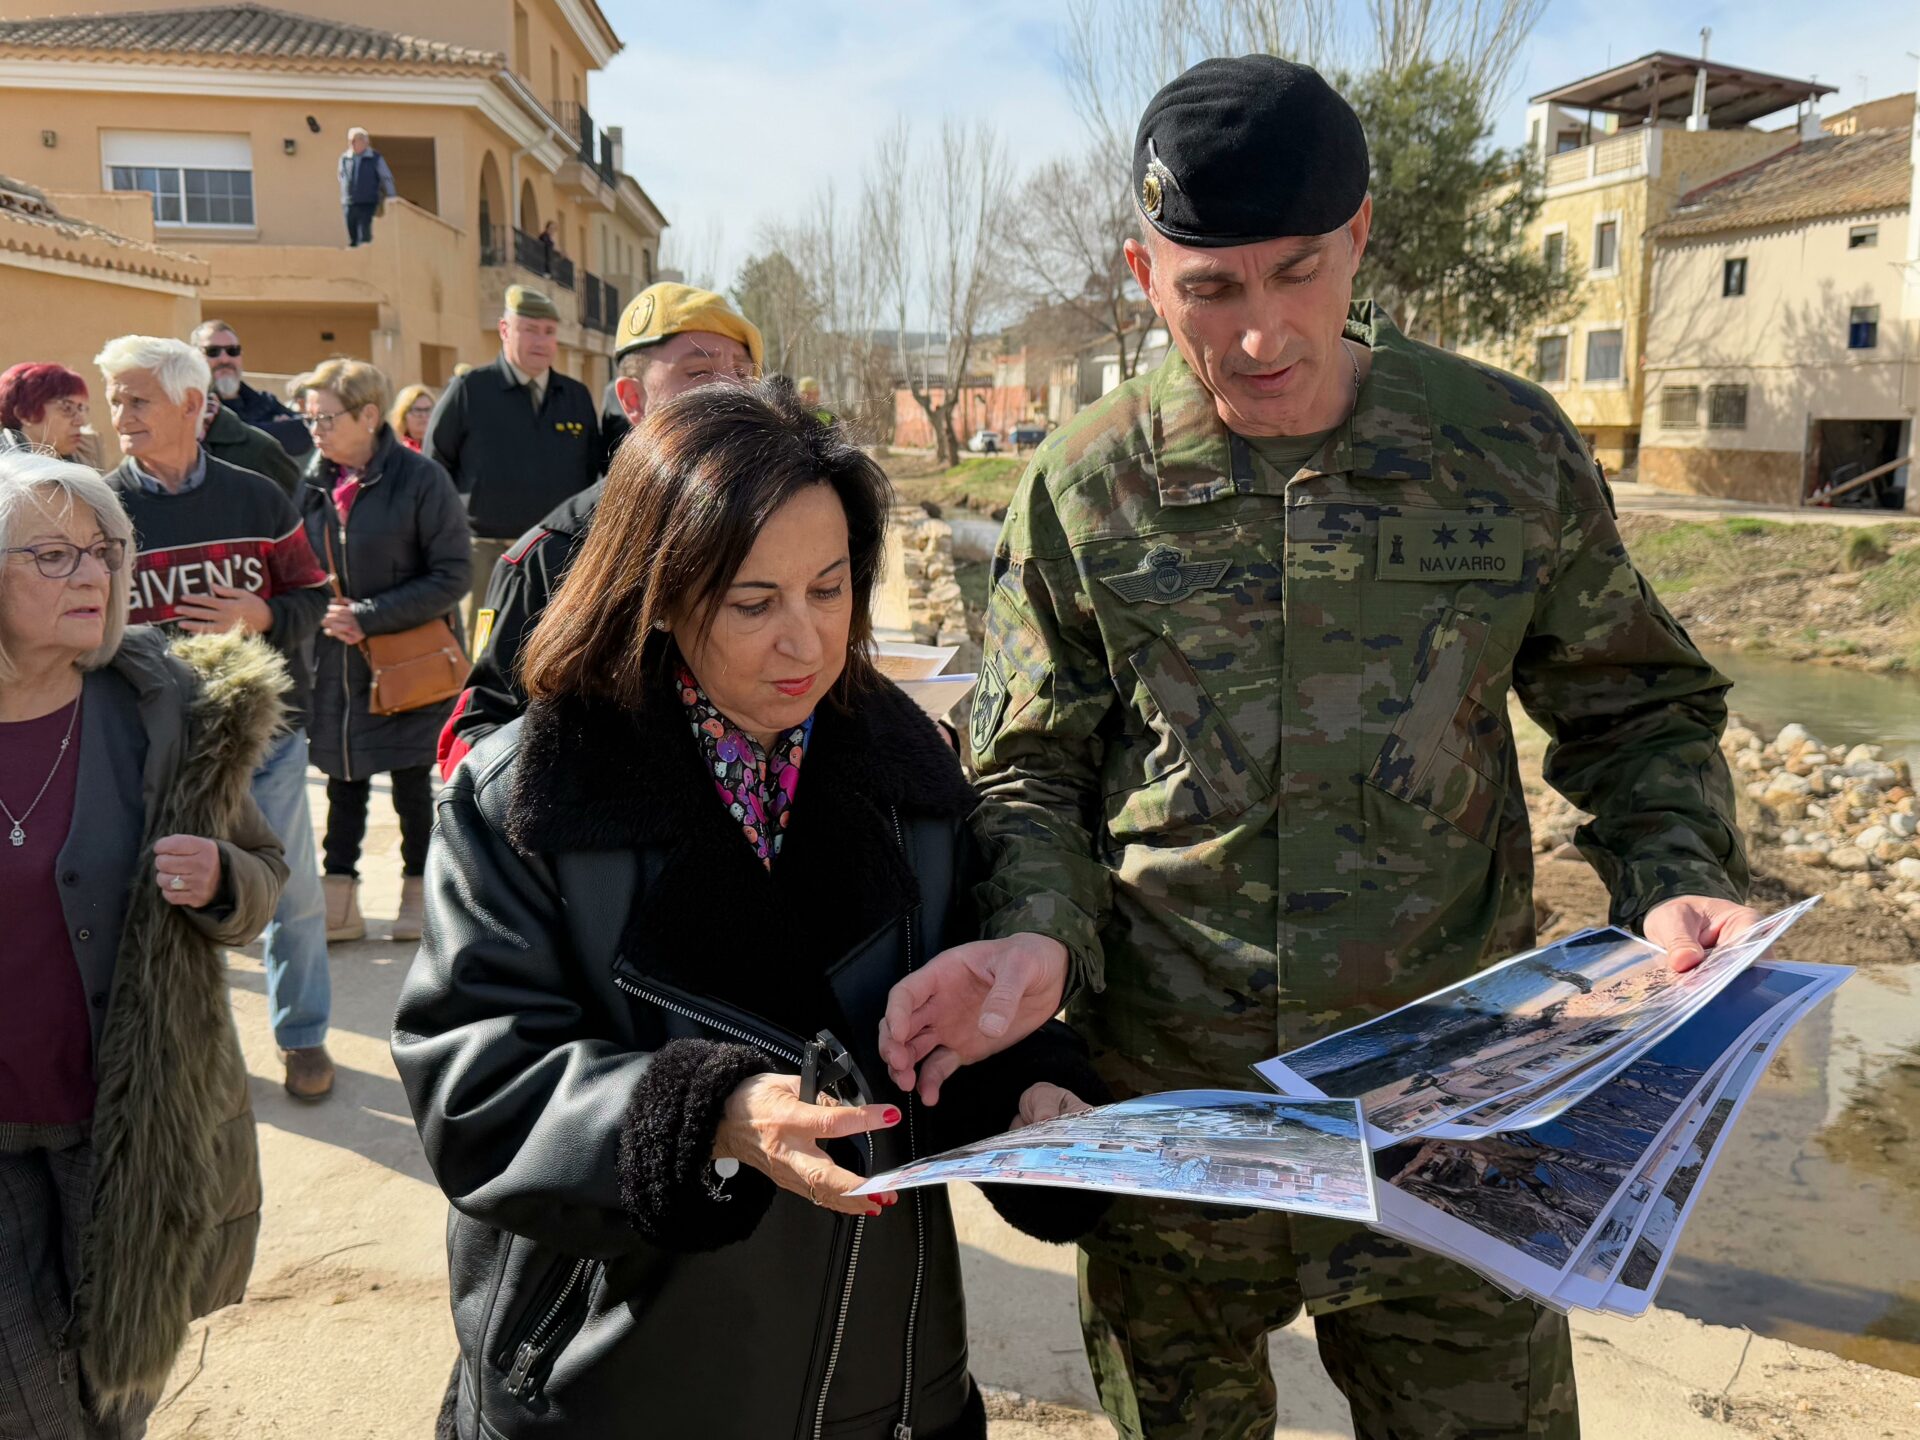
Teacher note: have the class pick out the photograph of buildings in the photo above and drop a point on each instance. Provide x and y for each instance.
(1215, 1146)
(1518, 1027)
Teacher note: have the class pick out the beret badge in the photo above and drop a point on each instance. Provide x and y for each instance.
(1155, 184)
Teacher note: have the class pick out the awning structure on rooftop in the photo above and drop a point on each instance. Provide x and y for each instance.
(1660, 87)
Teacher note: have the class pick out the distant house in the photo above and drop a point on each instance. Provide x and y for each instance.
(1783, 345)
(1617, 149)
(228, 121)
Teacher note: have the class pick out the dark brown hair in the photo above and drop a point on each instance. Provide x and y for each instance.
(689, 493)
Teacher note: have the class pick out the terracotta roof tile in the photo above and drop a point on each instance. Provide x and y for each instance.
(30, 224)
(1832, 175)
(235, 32)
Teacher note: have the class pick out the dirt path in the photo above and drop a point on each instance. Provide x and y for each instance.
(1635, 498)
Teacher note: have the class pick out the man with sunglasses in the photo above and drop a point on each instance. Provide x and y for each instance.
(220, 547)
(216, 340)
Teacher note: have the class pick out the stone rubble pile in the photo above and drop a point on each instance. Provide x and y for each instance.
(936, 608)
(1848, 810)
(1834, 808)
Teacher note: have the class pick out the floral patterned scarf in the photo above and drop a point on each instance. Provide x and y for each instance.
(756, 789)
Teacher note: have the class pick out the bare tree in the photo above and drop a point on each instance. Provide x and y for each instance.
(934, 220)
(695, 255)
(1115, 57)
(1066, 235)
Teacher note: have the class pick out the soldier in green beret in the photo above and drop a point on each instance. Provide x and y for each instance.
(1247, 779)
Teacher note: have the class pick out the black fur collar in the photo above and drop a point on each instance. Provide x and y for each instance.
(593, 776)
(712, 918)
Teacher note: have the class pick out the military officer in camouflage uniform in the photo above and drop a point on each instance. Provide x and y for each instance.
(1241, 736)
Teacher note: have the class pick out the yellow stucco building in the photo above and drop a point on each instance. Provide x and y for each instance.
(1783, 357)
(1617, 150)
(231, 120)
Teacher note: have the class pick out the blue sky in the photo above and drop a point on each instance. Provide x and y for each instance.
(737, 111)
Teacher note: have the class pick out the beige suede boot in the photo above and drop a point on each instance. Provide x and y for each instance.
(413, 905)
(344, 921)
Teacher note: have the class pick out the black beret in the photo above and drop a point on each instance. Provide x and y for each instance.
(1238, 151)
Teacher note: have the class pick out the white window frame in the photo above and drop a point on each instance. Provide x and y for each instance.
(1699, 399)
(180, 152)
(1552, 332)
(1610, 217)
(1586, 340)
(1566, 254)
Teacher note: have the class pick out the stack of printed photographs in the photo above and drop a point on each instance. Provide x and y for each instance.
(1549, 1123)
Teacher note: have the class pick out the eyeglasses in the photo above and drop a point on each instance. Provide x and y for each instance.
(322, 422)
(57, 561)
(72, 409)
(213, 352)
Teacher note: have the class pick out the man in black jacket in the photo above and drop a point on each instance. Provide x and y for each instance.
(671, 338)
(229, 438)
(220, 548)
(517, 436)
(216, 340)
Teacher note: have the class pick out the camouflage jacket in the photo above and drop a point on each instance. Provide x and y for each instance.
(1243, 744)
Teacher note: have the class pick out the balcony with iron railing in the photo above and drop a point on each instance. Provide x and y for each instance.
(592, 145)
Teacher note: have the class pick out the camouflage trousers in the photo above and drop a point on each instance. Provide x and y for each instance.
(1178, 1345)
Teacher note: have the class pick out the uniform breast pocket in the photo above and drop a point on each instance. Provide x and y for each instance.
(1209, 776)
(1447, 752)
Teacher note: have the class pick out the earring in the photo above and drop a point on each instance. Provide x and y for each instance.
(660, 625)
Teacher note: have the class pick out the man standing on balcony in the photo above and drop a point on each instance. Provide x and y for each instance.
(517, 436)
(365, 181)
(220, 343)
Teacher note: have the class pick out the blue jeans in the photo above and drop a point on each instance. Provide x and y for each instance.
(299, 989)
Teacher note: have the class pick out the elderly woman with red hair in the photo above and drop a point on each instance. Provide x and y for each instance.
(44, 407)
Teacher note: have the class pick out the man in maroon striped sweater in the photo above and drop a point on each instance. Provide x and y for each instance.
(218, 547)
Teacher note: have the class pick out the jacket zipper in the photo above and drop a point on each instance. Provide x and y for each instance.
(655, 996)
(346, 664)
(520, 1382)
(904, 1430)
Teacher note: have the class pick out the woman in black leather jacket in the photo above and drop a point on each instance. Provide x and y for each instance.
(714, 843)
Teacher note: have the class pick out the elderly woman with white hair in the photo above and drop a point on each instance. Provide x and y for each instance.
(130, 852)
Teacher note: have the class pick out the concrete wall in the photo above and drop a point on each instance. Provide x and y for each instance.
(1771, 477)
(1786, 338)
(65, 318)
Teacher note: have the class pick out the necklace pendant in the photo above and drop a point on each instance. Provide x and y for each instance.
(19, 834)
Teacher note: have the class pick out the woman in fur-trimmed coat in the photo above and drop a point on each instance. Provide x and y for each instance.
(708, 852)
(130, 853)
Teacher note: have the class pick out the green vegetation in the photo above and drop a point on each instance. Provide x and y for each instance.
(1679, 557)
(1893, 588)
(982, 484)
(1865, 549)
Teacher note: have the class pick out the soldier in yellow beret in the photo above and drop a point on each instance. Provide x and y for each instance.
(671, 338)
